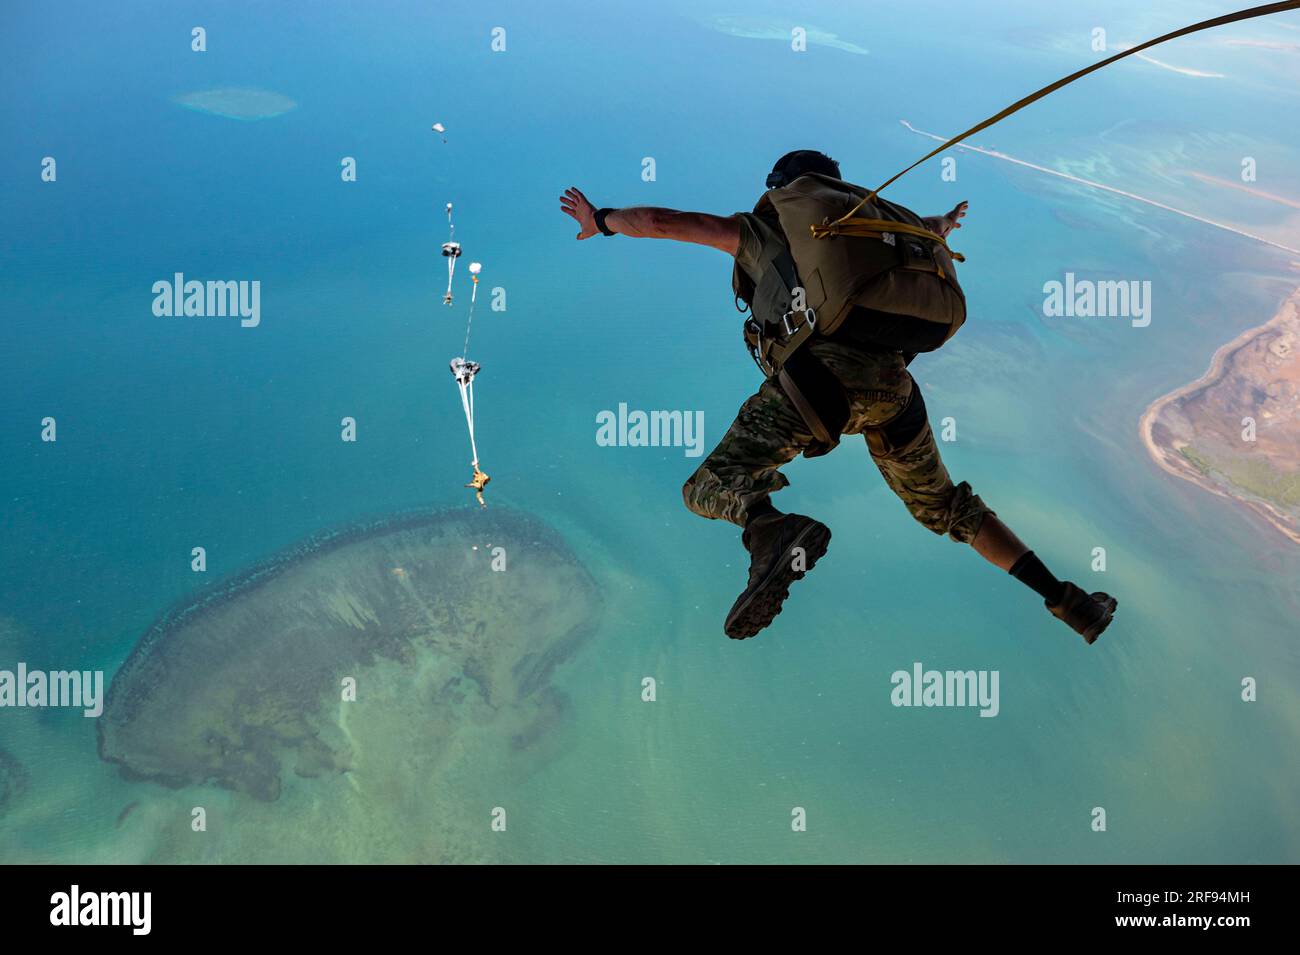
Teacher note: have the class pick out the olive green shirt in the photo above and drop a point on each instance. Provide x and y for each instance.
(756, 233)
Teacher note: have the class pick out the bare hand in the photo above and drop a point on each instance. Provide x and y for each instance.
(574, 203)
(950, 221)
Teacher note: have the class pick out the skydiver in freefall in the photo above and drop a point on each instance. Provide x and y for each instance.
(883, 403)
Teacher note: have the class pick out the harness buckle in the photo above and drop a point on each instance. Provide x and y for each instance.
(771, 343)
(759, 346)
(809, 319)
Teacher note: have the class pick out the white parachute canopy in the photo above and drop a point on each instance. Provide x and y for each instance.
(440, 130)
(474, 269)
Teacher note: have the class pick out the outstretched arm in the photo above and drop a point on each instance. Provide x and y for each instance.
(652, 222)
(942, 225)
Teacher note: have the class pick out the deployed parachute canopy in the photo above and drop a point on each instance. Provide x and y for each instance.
(464, 370)
(441, 130)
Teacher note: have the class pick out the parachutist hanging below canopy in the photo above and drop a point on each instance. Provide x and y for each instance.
(451, 252)
(478, 483)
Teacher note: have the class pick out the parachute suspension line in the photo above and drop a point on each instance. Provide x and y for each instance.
(837, 227)
(467, 402)
(474, 269)
(464, 372)
(468, 325)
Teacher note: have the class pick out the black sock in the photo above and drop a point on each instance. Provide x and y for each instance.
(1031, 572)
(759, 508)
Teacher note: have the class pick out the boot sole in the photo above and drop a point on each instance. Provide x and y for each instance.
(760, 607)
(1092, 633)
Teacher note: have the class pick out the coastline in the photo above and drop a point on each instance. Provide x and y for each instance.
(1169, 458)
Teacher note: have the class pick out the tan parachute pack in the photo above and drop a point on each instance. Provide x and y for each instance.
(889, 263)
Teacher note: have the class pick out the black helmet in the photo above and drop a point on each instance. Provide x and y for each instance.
(799, 163)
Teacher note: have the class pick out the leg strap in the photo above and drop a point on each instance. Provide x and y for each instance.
(818, 397)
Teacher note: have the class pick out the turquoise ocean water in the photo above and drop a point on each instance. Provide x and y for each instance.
(179, 430)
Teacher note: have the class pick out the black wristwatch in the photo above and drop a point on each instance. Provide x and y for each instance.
(600, 221)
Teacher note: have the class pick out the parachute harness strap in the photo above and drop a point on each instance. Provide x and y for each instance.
(846, 223)
(469, 324)
(877, 228)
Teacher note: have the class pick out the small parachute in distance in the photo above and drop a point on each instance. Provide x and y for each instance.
(474, 269)
(441, 130)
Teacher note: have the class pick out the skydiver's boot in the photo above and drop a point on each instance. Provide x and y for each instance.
(1086, 614)
(782, 548)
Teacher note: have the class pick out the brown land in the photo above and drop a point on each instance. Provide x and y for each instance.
(1197, 432)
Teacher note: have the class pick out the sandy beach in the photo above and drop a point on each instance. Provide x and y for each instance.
(1240, 361)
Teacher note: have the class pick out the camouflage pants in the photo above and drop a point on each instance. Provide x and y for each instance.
(769, 432)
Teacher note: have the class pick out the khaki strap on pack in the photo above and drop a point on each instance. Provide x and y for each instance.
(877, 228)
(838, 226)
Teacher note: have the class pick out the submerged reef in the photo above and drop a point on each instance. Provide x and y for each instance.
(249, 679)
(236, 102)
